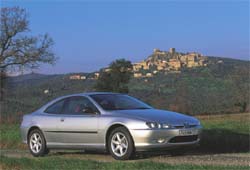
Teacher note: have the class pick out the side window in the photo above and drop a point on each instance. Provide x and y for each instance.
(79, 105)
(56, 108)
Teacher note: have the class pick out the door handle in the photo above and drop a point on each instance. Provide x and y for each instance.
(62, 119)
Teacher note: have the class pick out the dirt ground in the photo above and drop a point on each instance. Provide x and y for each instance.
(189, 158)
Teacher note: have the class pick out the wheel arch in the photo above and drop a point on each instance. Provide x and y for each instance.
(112, 127)
(33, 128)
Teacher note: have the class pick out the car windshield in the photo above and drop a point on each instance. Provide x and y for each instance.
(118, 102)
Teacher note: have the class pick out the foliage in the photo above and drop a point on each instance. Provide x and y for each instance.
(117, 78)
(16, 47)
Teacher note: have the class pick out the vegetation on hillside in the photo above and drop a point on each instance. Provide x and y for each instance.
(217, 88)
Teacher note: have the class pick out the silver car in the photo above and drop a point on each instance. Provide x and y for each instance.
(117, 123)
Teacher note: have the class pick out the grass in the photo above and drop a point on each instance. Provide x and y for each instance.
(238, 123)
(10, 137)
(47, 163)
(225, 133)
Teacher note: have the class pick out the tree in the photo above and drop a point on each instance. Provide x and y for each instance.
(18, 49)
(116, 79)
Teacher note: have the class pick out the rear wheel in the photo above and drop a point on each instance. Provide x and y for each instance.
(37, 143)
(120, 144)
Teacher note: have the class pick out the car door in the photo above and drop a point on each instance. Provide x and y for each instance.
(51, 121)
(79, 121)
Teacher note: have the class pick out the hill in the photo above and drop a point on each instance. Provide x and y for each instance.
(220, 86)
(216, 88)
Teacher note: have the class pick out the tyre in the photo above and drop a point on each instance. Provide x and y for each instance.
(46, 151)
(120, 144)
(37, 143)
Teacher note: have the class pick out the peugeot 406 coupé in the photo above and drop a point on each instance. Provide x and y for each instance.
(114, 122)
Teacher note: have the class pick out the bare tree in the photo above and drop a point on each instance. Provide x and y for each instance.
(18, 49)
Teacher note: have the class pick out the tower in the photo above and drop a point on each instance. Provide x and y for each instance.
(172, 50)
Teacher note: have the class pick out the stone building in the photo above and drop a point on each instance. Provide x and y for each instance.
(137, 75)
(174, 64)
(163, 61)
(137, 67)
(75, 77)
(172, 50)
(149, 75)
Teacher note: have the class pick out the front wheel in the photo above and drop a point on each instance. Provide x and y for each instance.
(120, 144)
(37, 143)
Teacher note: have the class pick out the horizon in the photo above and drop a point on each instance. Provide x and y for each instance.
(16, 74)
(93, 34)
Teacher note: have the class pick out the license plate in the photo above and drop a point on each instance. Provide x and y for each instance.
(185, 132)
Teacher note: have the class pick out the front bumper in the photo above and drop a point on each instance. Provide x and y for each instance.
(148, 139)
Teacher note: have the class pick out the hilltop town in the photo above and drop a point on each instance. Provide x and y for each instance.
(168, 61)
(160, 61)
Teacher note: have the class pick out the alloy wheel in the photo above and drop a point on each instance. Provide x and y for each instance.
(35, 143)
(119, 144)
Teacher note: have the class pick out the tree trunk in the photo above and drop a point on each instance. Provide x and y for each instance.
(2, 84)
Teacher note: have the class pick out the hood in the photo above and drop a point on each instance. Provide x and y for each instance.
(159, 116)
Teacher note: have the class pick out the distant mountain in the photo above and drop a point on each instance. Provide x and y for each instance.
(32, 79)
(25, 77)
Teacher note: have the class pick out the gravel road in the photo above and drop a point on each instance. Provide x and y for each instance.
(194, 159)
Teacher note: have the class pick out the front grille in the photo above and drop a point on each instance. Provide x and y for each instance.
(180, 139)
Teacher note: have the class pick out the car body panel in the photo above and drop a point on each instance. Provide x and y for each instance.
(156, 115)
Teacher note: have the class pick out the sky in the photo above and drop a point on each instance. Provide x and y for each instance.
(88, 35)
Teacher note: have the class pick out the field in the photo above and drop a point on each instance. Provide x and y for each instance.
(225, 145)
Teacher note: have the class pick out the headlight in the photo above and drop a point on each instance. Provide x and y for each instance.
(153, 125)
(166, 126)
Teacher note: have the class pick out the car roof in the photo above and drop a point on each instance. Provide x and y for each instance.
(83, 94)
(72, 95)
